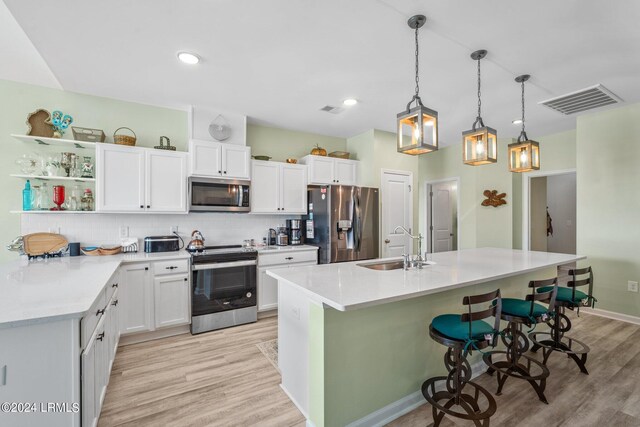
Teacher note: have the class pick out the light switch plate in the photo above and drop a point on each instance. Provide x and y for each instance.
(124, 231)
(632, 286)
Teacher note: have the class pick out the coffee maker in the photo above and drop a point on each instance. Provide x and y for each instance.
(295, 231)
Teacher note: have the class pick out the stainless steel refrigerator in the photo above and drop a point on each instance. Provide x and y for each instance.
(342, 221)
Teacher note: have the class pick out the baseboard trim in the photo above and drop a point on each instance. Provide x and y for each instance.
(611, 315)
(154, 335)
(395, 410)
(268, 313)
(309, 423)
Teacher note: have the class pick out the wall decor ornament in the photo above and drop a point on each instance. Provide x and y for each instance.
(60, 123)
(39, 123)
(493, 198)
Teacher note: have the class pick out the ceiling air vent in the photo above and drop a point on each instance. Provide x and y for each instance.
(331, 109)
(582, 100)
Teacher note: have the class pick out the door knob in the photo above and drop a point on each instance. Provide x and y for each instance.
(387, 241)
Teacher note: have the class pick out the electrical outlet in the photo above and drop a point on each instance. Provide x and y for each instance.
(173, 229)
(296, 312)
(632, 286)
(124, 231)
(55, 230)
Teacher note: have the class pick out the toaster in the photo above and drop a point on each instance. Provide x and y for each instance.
(161, 244)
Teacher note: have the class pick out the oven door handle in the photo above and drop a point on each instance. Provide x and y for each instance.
(216, 266)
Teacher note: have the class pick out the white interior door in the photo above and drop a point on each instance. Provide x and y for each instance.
(397, 209)
(442, 216)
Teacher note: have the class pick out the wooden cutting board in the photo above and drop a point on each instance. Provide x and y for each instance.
(43, 243)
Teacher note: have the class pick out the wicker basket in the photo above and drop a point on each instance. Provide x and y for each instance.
(340, 154)
(124, 139)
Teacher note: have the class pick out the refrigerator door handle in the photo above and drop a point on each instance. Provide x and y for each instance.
(357, 226)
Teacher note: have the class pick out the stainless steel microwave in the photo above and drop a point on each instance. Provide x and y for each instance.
(218, 195)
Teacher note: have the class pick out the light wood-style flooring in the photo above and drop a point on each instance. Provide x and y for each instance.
(218, 378)
(608, 397)
(222, 379)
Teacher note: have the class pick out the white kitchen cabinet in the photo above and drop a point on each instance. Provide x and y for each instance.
(214, 159)
(136, 299)
(89, 386)
(267, 285)
(278, 188)
(120, 178)
(133, 179)
(171, 297)
(166, 181)
(330, 170)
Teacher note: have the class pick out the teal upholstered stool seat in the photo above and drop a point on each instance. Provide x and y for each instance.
(452, 326)
(522, 308)
(456, 394)
(565, 294)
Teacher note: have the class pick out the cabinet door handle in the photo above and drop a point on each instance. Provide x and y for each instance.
(141, 206)
(100, 312)
(100, 336)
(219, 171)
(3, 374)
(289, 258)
(185, 279)
(225, 172)
(115, 285)
(148, 206)
(146, 269)
(172, 267)
(115, 302)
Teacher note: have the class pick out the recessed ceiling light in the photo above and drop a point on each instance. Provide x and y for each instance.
(517, 121)
(188, 58)
(350, 101)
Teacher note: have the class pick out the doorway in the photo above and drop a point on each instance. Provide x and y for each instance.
(551, 213)
(442, 215)
(396, 200)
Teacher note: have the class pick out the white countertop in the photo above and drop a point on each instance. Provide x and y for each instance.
(348, 286)
(291, 248)
(41, 290)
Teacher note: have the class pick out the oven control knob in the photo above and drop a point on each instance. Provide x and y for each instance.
(249, 294)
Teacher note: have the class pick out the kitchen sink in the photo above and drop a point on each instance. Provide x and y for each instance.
(389, 265)
(386, 265)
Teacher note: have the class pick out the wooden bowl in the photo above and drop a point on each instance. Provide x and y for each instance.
(292, 161)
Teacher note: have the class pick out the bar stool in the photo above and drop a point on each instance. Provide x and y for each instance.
(571, 298)
(462, 334)
(521, 313)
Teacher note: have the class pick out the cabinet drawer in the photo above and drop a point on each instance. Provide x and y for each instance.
(287, 257)
(112, 285)
(93, 316)
(170, 267)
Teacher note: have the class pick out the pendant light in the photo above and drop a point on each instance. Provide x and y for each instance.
(417, 126)
(479, 145)
(524, 155)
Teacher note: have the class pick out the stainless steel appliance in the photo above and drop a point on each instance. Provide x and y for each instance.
(223, 287)
(282, 238)
(218, 195)
(295, 231)
(197, 242)
(343, 222)
(161, 244)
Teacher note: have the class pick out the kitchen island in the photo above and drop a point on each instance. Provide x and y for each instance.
(353, 344)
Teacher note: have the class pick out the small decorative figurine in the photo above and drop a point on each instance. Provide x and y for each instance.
(39, 123)
(493, 198)
(60, 123)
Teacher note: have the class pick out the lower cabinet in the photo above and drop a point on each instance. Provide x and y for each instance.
(267, 285)
(171, 295)
(96, 361)
(154, 295)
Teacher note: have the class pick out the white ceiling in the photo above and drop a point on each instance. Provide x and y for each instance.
(280, 61)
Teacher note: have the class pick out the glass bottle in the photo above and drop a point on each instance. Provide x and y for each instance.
(87, 167)
(87, 200)
(43, 203)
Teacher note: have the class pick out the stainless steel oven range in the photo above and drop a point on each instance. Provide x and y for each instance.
(223, 282)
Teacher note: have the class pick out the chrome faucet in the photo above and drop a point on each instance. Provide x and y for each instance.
(417, 259)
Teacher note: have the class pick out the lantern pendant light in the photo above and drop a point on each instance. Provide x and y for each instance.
(480, 144)
(417, 126)
(524, 155)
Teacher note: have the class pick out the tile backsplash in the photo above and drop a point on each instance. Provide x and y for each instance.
(99, 229)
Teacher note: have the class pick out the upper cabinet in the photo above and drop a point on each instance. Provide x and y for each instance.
(330, 170)
(278, 188)
(214, 159)
(134, 179)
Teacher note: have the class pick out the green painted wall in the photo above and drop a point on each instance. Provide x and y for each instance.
(478, 226)
(557, 152)
(375, 356)
(17, 100)
(377, 150)
(281, 144)
(608, 197)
